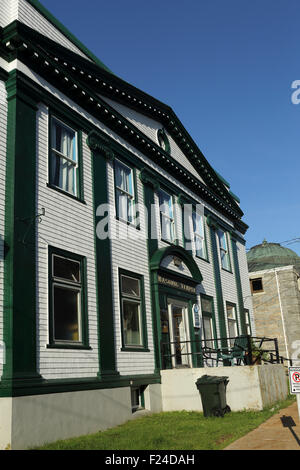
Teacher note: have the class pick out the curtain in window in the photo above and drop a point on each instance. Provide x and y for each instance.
(63, 170)
(124, 192)
(167, 217)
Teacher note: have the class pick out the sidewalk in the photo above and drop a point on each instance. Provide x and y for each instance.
(281, 432)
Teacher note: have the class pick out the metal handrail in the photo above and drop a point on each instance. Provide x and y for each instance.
(269, 355)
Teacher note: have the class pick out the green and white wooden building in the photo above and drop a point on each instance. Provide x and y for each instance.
(117, 238)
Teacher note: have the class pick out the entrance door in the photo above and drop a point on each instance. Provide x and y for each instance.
(179, 337)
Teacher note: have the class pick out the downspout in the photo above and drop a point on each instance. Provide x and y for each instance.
(281, 313)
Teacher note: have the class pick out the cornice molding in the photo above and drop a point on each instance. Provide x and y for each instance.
(212, 222)
(148, 178)
(98, 143)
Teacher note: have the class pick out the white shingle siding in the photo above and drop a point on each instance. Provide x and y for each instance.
(22, 11)
(5, 12)
(3, 124)
(69, 225)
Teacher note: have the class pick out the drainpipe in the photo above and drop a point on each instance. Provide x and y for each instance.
(281, 312)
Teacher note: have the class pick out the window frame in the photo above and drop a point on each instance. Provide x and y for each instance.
(162, 137)
(134, 196)
(227, 251)
(233, 321)
(172, 219)
(142, 312)
(83, 342)
(258, 291)
(204, 241)
(67, 123)
(211, 316)
(248, 321)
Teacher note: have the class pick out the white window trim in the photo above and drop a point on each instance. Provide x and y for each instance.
(75, 163)
(163, 214)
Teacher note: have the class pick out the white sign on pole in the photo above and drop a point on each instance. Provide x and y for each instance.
(294, 375)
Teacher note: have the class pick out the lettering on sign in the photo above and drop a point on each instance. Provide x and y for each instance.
(176, 284)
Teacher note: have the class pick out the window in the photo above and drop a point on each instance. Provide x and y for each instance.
(67, 299)
(247, 321)
(136, 399)
(167, 222)
(199, 236)
(163, 140)
(256, 285)
(132, 311)
(224, 252)
(207, 320)
(232, 324)
(124, 183)
(63, 157)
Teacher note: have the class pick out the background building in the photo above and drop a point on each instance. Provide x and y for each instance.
(274, 279)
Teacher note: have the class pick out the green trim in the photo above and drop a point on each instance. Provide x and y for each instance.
(55, 22)
(222, 179)
(217, 277)
(101, 153)
(19, 317)
(144, 347)
(84, 344)
(180, 252)
(3, 74)
(235, 196)
(26, 388)
(238, 284)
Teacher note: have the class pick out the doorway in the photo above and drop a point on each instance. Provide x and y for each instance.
(179, 333)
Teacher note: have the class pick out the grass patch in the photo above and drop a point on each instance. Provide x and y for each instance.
(180, 430)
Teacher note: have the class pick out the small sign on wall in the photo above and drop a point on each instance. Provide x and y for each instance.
(294, 375)
(196, 312)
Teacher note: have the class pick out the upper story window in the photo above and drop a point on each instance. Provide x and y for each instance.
(256, 285)
(224, 251)
(199, 235)
(163, 140)
(64, 157)
(167, 221)
(125, 193)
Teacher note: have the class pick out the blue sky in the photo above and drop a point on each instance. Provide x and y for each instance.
(226, 69)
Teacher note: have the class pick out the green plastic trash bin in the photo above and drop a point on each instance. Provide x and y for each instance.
(213, 395)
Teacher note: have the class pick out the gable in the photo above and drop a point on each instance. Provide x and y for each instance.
(150, 128)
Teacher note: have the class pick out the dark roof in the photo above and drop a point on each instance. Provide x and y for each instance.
(271, 255)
